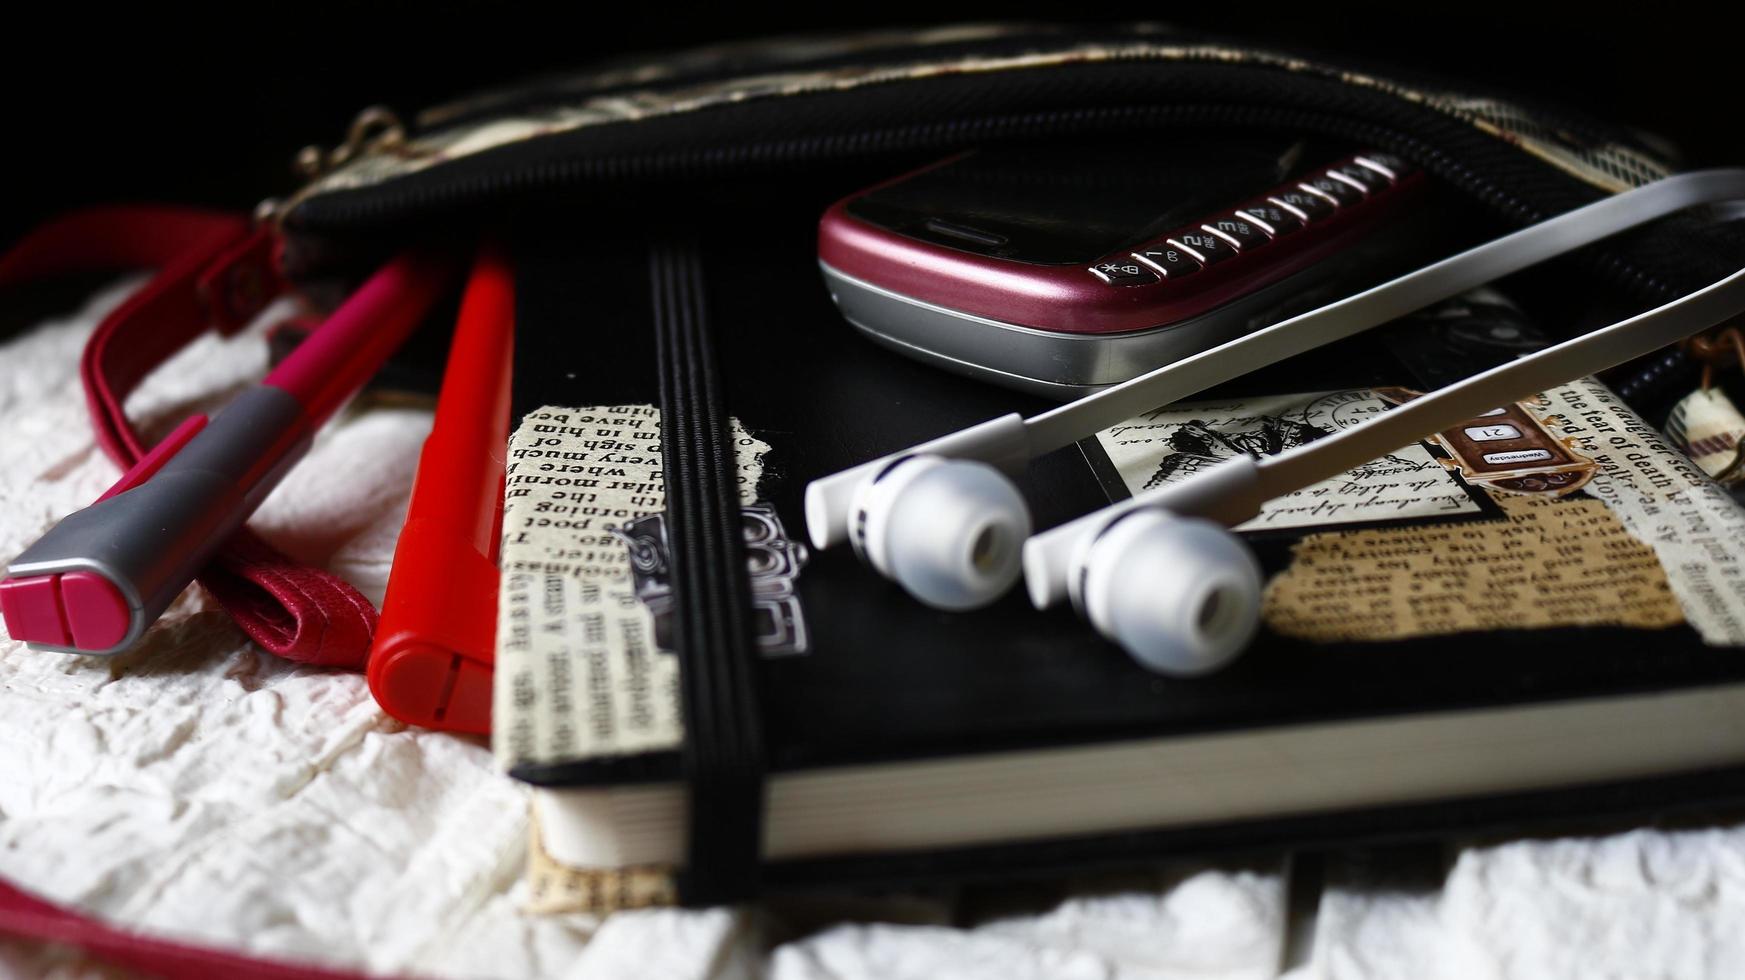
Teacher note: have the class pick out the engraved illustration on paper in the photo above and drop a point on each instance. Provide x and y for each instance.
(1174, 442)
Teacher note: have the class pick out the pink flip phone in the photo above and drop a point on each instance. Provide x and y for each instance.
(1061, 270)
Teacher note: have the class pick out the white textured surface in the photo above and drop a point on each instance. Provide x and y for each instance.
(1637, 904)
(200, 789)
(1197, 923)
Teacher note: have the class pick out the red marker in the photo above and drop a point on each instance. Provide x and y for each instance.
(97, 579)
(431, 661)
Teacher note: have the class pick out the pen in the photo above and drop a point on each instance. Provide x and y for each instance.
(100, 577)
(434, 647)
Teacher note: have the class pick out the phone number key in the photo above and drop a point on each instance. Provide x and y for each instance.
(1168, 261)
(1124, 273)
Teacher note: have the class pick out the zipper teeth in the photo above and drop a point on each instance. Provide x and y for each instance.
(703, 161)
(1551, 117)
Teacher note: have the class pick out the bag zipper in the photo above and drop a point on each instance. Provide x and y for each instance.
(390, 203)
(1485, 159)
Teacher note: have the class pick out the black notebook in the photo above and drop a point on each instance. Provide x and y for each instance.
(1452, 639)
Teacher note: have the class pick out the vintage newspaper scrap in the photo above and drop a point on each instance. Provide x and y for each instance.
(578, 671)
(1551, 563)
(1692, 523)
(1603, 522)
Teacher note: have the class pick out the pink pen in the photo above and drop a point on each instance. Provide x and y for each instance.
(97, 579)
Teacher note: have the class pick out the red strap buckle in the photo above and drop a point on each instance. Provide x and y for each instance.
(241, 281)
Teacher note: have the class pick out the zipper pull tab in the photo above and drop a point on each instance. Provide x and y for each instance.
(375, 128)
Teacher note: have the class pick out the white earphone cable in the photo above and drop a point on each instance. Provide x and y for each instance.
(1595, 351)
(1433, 283)
(1235, 490)
(1010, 441)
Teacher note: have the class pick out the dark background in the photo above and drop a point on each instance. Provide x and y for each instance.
(208, 104)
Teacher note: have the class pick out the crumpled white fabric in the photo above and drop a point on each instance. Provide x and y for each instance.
(201, 790)
(1190, 923)
(1636, 904)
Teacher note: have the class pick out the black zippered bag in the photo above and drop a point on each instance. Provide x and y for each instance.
(744, 112)
(648, 151)
(661, 134)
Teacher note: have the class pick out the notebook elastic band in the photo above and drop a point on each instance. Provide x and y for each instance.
(723, 752)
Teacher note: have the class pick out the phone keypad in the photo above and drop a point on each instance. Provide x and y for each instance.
(1388, 165)
(1313, 207)
(1172, 262)
(1128, 273)
(1238, 230)
(1370, 180)
(1205, 246)
(1320, 195)
(1271, 218)
(1339, 192)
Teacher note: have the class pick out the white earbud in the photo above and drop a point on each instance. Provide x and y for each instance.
(1180, 594)
(949, 531)
(1170, 595)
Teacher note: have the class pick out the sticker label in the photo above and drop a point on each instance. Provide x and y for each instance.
(1518, 456)
(1492, 433)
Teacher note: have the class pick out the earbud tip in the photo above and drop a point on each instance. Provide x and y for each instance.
(953, 533)
(1181, 595)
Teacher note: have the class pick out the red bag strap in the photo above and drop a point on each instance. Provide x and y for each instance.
(214, 271)
(28, 917)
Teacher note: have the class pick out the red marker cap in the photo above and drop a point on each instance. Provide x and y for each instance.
(431, 661)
